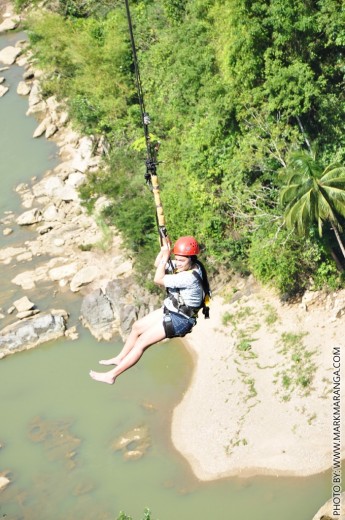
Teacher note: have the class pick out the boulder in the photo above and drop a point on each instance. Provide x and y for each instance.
(7, 254)
(64, 271)
(28, 74)
(35, 96)
(41, 128)
(8, 55)
(3, 90)
(4, 481)
(51, 213)
(128, 315)
(25, 280)
(50, 185)
(9, 24)
(23, 88)
(76, 179)
(39, 109)
(51, 130)
(66, 194)
(23, 304)
(23, 335)
(33, 216)
(24, 256)
(97, 315)
(83, 277)
(114, 292)
(83, 154)
(27, 314)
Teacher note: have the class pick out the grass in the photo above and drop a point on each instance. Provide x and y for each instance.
(271, 315)
(299, 367)
(235, 318)
(107, 234)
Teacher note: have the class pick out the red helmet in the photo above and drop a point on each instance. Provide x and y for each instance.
(186, 246)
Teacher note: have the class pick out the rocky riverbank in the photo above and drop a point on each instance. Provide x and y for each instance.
(66, 247)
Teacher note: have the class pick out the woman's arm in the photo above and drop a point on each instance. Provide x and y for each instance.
(160, 264)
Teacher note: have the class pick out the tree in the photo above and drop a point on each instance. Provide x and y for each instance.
(313, 195)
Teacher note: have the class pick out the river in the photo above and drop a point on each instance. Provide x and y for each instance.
(58, 427)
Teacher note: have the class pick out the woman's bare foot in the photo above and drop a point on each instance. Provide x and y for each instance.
(113, 361)
(103, 377)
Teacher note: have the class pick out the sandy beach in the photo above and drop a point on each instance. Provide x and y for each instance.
(260, 400)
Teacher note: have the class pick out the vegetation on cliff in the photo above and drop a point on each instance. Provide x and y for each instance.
(236, 91)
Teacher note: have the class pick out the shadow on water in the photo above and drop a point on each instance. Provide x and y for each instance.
(59, 429)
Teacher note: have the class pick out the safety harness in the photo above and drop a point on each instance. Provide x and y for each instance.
(187, 310)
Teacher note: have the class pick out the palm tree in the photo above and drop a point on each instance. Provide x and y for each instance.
(313, 194)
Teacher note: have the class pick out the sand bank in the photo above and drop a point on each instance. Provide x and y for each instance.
(260, 400)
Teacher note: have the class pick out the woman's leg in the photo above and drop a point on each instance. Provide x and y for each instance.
(151, 336)
(138, 328)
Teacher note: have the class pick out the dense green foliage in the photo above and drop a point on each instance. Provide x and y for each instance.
(234, 89)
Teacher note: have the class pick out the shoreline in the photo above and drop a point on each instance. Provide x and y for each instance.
(233, 419)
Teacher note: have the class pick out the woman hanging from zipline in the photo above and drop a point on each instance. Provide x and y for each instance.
(187, 292)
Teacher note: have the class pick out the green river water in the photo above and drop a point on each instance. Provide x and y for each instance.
(57, 426)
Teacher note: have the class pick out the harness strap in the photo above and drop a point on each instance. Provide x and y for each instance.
(189, 311)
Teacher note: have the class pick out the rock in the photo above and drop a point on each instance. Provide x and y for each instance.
(83, 155)
(339, 308)
(83, 277)
(114, 292)
(23, 335)
(8, 55)
(66, 194)
(4, 481)
(125, 269)
(23, 304)
(97, 315)
(7, 231)
(41, 128)
(64, 271)
(128, 315)
(11, 309)
(51, 213)
(23, 88)
(50, 185)
(51, 130)
(63, 119)
(7, 254)
(9, 24)
(2, 79)
(3, 90)
(27, 314)
(28, 74)
(72, 333)
(134, 443)
(312, 299)
(24, 257)
(35, 96)
(59, 242)
(26, 280)
(76, 179)
(326, 511)
(39, 109)
(29, 217)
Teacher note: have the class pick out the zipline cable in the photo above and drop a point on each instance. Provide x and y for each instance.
(151, 148)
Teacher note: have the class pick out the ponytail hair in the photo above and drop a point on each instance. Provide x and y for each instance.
(206, 284)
